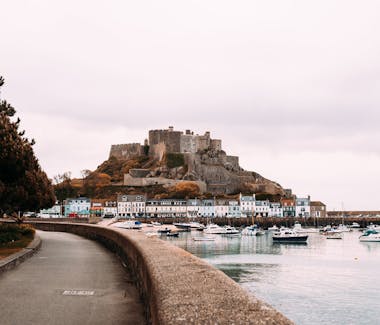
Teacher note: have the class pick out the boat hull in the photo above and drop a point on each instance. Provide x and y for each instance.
(293, 239)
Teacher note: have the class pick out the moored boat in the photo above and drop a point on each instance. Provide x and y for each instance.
(129, 225)
(214, 229)
(370, 235)
(285, 235)
(231, 231)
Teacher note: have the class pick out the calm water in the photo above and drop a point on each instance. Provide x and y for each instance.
(327, 281)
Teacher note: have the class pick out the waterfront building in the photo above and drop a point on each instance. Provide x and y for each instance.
(234, 209)
(221, 208)
(151, 208)
(193, 206)
(262, 208)
(96, 208)
(275, 210)
(77, 207)
(288, 207)
(171, 208)
(247, 204)
(317, 209)
(207, 209)
(54, 211)
(131, 205)
(303, 207)
(110, 209)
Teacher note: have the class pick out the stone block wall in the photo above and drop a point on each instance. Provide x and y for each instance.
(126, 151)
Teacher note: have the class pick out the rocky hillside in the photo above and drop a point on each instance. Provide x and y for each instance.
(220, 173)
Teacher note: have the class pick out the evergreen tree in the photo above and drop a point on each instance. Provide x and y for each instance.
(23, 184)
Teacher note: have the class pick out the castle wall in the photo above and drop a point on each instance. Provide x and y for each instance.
(216, 144)
(188, 143)
(139, 172)
(157, 151)
(171, 139)
(203, 142)
(126, 151)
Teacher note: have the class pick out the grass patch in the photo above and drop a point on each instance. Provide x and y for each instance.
(13, 238)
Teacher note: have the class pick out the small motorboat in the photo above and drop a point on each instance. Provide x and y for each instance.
(260, 232)
(182, 225)
(172, 234)
(298, 228)
(274, 228)
(214, 229)
(370, 236)
(285, 235)
(231, 231)
(354, 225)
(249, 231)
(164, 231)
(129, 225)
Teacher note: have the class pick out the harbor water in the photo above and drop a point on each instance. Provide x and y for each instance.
(326, 281)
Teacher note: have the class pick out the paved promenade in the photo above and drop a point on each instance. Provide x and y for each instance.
(71, 280)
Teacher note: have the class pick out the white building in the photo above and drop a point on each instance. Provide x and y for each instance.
(234, 209)
(166, 208)
(221, 208)
(131, 205)
(275, 210)
(207, 209)
(54, 211)
(110, 209)
(193, 206)
(303, 207)
(247, 204)
(262, 208)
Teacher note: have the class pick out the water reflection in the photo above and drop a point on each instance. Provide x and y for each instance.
(325, 281)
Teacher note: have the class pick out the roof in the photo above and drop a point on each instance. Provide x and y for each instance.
(317, 203)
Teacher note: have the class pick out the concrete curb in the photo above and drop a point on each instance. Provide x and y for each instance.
(13, 260)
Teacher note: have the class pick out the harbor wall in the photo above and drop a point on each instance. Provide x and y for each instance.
(176, 287)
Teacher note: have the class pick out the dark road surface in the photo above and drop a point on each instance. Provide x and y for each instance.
(71, 280)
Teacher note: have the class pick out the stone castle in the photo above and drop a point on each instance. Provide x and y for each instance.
(204, 162)
(167, 141)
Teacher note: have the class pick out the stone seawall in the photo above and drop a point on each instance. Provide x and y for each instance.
(177, 287)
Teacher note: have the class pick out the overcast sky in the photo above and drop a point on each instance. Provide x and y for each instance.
(292, 87)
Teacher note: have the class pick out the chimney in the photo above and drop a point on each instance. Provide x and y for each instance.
(171, 129)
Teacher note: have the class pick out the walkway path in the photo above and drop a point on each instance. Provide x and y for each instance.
(71, 280)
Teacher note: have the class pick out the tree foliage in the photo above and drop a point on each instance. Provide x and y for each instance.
(23, 184)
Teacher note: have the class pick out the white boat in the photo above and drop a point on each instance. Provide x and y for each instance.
(196, 225)
(214, 229)
(182, 225)
(298, 228)
(274, 228)
(373, 227)
(156, 224)
(249, 231)
(129, 225)
(203, 238)
(231, 230)
(260, 232)
(354, 225)
(343, 228)
(285, 235)
(370, 236)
